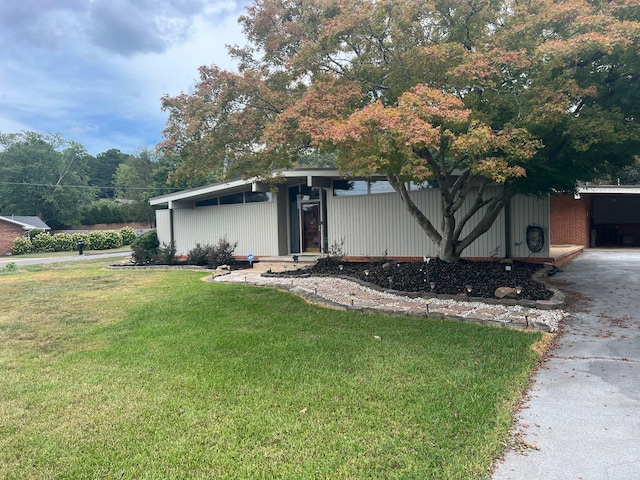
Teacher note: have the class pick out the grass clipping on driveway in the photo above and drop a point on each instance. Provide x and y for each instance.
(147, 374)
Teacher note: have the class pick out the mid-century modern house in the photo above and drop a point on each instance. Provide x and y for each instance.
(14, 226)
(313, 210)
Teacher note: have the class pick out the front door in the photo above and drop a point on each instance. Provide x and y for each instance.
(311, 232)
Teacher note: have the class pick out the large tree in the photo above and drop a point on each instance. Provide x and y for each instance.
(43, 175)
(532, 95)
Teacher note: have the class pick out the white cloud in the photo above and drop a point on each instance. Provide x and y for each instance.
(95, 70)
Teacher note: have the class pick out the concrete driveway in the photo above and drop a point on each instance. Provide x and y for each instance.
(581, 418)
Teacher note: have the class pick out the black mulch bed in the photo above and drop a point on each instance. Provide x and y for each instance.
(447, 278)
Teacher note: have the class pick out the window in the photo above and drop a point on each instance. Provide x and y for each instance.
(343, 188)
(232, 199)
(207, 202)
(257, 197)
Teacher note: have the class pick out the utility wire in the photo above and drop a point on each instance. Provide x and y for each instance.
(26, 184)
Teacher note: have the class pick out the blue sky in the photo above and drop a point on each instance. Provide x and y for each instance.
(94, 70)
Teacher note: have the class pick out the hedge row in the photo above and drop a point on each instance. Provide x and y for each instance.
(64, 242)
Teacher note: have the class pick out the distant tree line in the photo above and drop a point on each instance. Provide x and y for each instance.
(60, 182)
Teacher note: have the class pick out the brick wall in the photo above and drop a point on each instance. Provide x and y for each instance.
(8, 233)
(570, 220)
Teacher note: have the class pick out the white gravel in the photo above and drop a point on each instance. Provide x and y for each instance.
(344, 292)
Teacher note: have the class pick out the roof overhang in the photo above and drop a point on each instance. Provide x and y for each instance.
(609, 189)
(314, 177)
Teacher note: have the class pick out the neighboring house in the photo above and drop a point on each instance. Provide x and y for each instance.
(12, 227)
(597, 216)
(320, 211)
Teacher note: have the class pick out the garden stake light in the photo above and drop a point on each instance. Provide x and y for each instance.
(432, 285)
(427, 302)
(352, 296)
(469, 289)
(526, 319)
(518, 290)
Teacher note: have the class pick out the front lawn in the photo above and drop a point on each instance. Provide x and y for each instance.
(156, 374)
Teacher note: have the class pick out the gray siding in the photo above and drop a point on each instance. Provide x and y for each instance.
(372, 225)
(163, 227)
(254, 226)
(375, 225)
(528, 211)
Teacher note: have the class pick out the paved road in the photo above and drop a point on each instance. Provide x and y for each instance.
(38, 261)
(583, 409)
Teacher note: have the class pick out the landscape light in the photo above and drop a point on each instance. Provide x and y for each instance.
(518, 290)
(432, 285)
(341, 267)
(352, 296)
(469, 289)
(366, 273)
(427, 302)
(526, 319)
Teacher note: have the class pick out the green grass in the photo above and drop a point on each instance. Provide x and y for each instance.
(145, 374)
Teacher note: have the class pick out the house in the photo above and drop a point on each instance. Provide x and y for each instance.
(313, 211)
(597, 216)
(12, 227)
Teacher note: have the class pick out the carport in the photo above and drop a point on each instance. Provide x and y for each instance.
(614, 215)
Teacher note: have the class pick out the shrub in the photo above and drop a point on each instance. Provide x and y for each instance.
(145, 247)
(21, 246)
(222, 252)
(76, 237)
(128, 235)
(43, 242)
(198, 255)
(63, 242)
(112, 239)
(212, 255)
(31, 234)
(167, 254)
(97, 240)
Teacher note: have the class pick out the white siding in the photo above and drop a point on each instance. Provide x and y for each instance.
(163, 227)
(253, 225)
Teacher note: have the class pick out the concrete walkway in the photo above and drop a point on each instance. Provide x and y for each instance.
(581, 419)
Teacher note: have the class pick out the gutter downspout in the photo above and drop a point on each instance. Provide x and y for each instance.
(171, 232)
(507, 229)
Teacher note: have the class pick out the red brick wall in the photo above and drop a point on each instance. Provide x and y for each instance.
(570, 220)
(8, 233)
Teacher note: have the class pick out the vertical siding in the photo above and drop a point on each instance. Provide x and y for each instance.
(254, 226)
(163, 227)
(372, 225)
(528, 211)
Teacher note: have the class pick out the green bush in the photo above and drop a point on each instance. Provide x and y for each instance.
(43, 242)
(145, 247)
(76, 237)
(112, 239)
(21, 246)
(31, 234)
(63, 242)
(97, 240)
(128, 235)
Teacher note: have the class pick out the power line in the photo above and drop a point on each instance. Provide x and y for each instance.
(28, 184)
